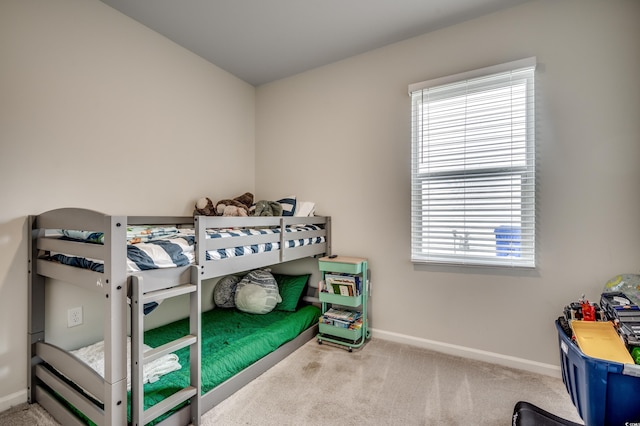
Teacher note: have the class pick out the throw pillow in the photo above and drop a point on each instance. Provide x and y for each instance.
(291, 288)
(288, 205)
(224, 293)
(257, 292)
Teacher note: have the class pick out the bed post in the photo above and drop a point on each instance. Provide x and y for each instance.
(201, 235)
(195, 350)
(114, 284)
(327, 238)
(283, 240)
(35, 317)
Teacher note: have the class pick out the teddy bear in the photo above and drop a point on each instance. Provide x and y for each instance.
(204, 207)
(238, 206)
(225, 209)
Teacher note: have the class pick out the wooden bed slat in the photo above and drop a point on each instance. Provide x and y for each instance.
(305, 220)
(289, 254)
(170, 347)
(72, 248)
(79, 401)
(73, 368)
(179, 418)
(84, 278)
(56, 409)
(73, 218)
(168, 403)
(221, 222)
(160, 220)
(154, 296)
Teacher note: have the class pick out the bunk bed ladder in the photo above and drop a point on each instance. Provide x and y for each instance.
(139, 298)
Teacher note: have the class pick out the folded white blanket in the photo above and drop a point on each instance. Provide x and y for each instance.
(93, 355)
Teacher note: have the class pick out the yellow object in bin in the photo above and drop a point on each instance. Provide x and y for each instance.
(599, 339)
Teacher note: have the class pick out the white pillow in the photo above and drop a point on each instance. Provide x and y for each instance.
(257, 293)
(305, 208)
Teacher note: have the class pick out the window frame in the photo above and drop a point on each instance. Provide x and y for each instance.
(524, 230)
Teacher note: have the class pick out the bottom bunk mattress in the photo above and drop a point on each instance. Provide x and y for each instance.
(231, 341)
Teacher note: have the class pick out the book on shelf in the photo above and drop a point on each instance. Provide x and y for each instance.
(342, 314)
(341, 324)
(343, 284)
(356, 325)
(354, 322)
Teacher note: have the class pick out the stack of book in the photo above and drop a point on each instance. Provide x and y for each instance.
(342, 318)
(343, 284)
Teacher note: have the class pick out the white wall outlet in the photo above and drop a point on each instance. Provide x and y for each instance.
(74, 317)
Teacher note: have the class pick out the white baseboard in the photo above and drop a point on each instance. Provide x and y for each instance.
(471, 353)
(12, 400)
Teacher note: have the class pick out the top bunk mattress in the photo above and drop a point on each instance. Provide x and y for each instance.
(67, 239)
(148, 248)
(170, 247)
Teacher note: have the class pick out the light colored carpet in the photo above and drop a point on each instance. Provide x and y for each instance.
(387, 383)
(383, 383)
(26, 415)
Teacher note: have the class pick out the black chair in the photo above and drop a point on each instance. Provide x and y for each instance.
(527, 414)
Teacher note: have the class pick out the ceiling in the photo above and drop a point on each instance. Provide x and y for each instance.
(260, 41)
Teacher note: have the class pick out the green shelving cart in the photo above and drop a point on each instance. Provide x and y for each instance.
(351, 296)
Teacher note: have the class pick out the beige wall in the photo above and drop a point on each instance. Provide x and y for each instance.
(348, 123)
(97, 111)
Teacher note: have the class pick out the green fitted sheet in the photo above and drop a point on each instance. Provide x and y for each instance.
(231, 341)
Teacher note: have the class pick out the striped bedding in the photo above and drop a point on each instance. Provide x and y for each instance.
(159, 248)
(147, 248)
(154, 254)
(235, 251)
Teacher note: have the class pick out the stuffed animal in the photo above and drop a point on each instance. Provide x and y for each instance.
(224, 293)
(267, 208)
(204, 207)
(239, 206)
(257, 292)
(231, 210)
(246, 199)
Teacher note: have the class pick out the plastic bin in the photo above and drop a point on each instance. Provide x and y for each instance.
(604, 392)
(508, 240)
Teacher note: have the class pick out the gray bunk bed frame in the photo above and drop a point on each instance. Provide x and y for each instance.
(116, 285)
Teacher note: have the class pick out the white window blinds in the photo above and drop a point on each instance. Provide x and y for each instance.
(473, 167)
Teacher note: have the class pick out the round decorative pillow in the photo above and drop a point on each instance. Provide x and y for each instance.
(257, 292)
(224, 293)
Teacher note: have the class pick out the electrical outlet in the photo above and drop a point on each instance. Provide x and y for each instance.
(74, 317)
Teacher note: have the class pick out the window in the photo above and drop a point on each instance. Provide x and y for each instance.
(473, 167)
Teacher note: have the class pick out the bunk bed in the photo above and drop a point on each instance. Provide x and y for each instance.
(73, 392)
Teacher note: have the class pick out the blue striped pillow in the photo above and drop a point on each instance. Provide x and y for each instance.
(288, 205)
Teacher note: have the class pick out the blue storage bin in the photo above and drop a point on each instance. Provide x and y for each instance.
(508, 240)
(604, 392)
